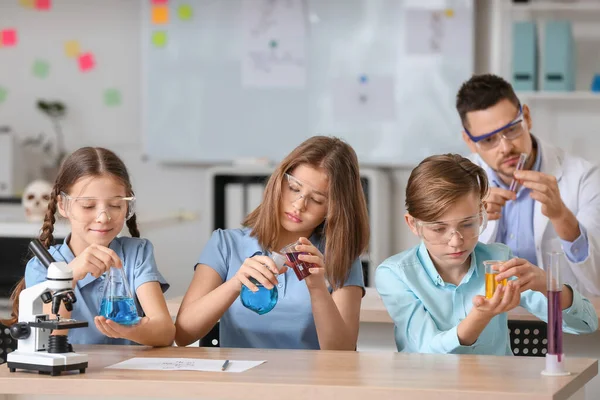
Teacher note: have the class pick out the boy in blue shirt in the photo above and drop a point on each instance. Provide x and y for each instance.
(434, 291)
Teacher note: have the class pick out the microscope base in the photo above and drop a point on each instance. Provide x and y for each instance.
(50, 363)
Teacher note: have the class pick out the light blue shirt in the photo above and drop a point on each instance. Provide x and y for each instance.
(139, 265)
(515, 227)
(426, 311)
(290, 325)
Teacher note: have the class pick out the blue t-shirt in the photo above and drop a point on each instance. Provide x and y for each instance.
(139, 266)
(290, 325)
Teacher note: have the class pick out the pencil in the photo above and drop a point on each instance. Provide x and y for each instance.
(225, 365)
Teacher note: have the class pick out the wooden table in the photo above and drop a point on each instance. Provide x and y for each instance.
(301, 374)
(372, 309)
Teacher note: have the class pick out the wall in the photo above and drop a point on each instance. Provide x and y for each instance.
(112, 30)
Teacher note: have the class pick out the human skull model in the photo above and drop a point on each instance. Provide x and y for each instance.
(35, 200)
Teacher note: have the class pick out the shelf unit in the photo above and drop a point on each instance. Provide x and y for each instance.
(571, 7)
(547, 95)
(566, 119)
(584, 14)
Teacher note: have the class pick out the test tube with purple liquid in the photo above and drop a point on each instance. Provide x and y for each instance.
(514, 185)
(555, 357)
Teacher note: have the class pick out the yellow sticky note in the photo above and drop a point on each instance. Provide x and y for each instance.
(449, 12)
(72, 48)
(160, 14)
(27, 3)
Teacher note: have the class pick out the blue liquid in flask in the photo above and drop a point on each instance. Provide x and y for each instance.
(260, 302)
(122, 310)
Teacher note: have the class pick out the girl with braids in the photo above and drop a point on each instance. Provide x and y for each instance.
(433, 292)
(314, 196)
(93, 191)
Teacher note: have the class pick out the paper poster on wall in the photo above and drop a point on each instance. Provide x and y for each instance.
(112, 97)
(8, 37)
(43, 5)
(86, 62)
(364, 98)
(72, 48)
(3, 94)
(27, 3)
(274, 43)
(438, 32)
(159, 39)
(185, 12)
(41, 68)
(160, 15)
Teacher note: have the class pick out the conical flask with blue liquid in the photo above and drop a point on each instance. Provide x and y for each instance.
(117, 302)
(263, 300)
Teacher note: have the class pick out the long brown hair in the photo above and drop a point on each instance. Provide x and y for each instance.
(346, 225)
(87, 161)
(438, 181)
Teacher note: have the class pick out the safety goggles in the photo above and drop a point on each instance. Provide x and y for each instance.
(510, 131)
(294, 189)
(441, 232)
(87, 209)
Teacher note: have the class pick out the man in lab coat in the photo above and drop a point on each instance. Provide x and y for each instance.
(557, 201)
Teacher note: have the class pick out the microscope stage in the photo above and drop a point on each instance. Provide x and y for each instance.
(59, 324)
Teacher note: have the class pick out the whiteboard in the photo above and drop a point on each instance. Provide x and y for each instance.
(199, 106)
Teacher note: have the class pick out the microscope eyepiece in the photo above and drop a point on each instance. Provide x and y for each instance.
(41, 252)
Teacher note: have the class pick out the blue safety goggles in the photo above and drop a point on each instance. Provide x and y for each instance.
(516, 121)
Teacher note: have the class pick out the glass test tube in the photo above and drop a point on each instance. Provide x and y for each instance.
(555, 357)
(520, 165)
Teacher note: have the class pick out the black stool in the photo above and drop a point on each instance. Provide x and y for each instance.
(7, 343)
(211, 339)
(528, 338)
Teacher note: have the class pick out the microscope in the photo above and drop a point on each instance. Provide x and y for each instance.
(37, 349)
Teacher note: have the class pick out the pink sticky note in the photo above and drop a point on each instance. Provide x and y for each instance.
(86, 62)
(43, 4)
(160, 1)
(8, 37)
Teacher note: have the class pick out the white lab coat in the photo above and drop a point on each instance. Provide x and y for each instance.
(579, 184)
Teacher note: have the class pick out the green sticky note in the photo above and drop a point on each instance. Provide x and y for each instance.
(3, 94)
(41, 68)
(159, 38)
(185, 12)
(112, 97)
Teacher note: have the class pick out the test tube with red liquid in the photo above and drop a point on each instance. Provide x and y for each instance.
(555, 358)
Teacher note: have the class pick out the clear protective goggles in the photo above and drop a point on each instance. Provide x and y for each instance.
(86, 209)
(441, 232)
(510, 131)
(294, 189)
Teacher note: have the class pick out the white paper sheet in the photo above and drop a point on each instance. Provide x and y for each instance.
(185, 364)
(274, 52)
(435, 32)
(368, 100)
